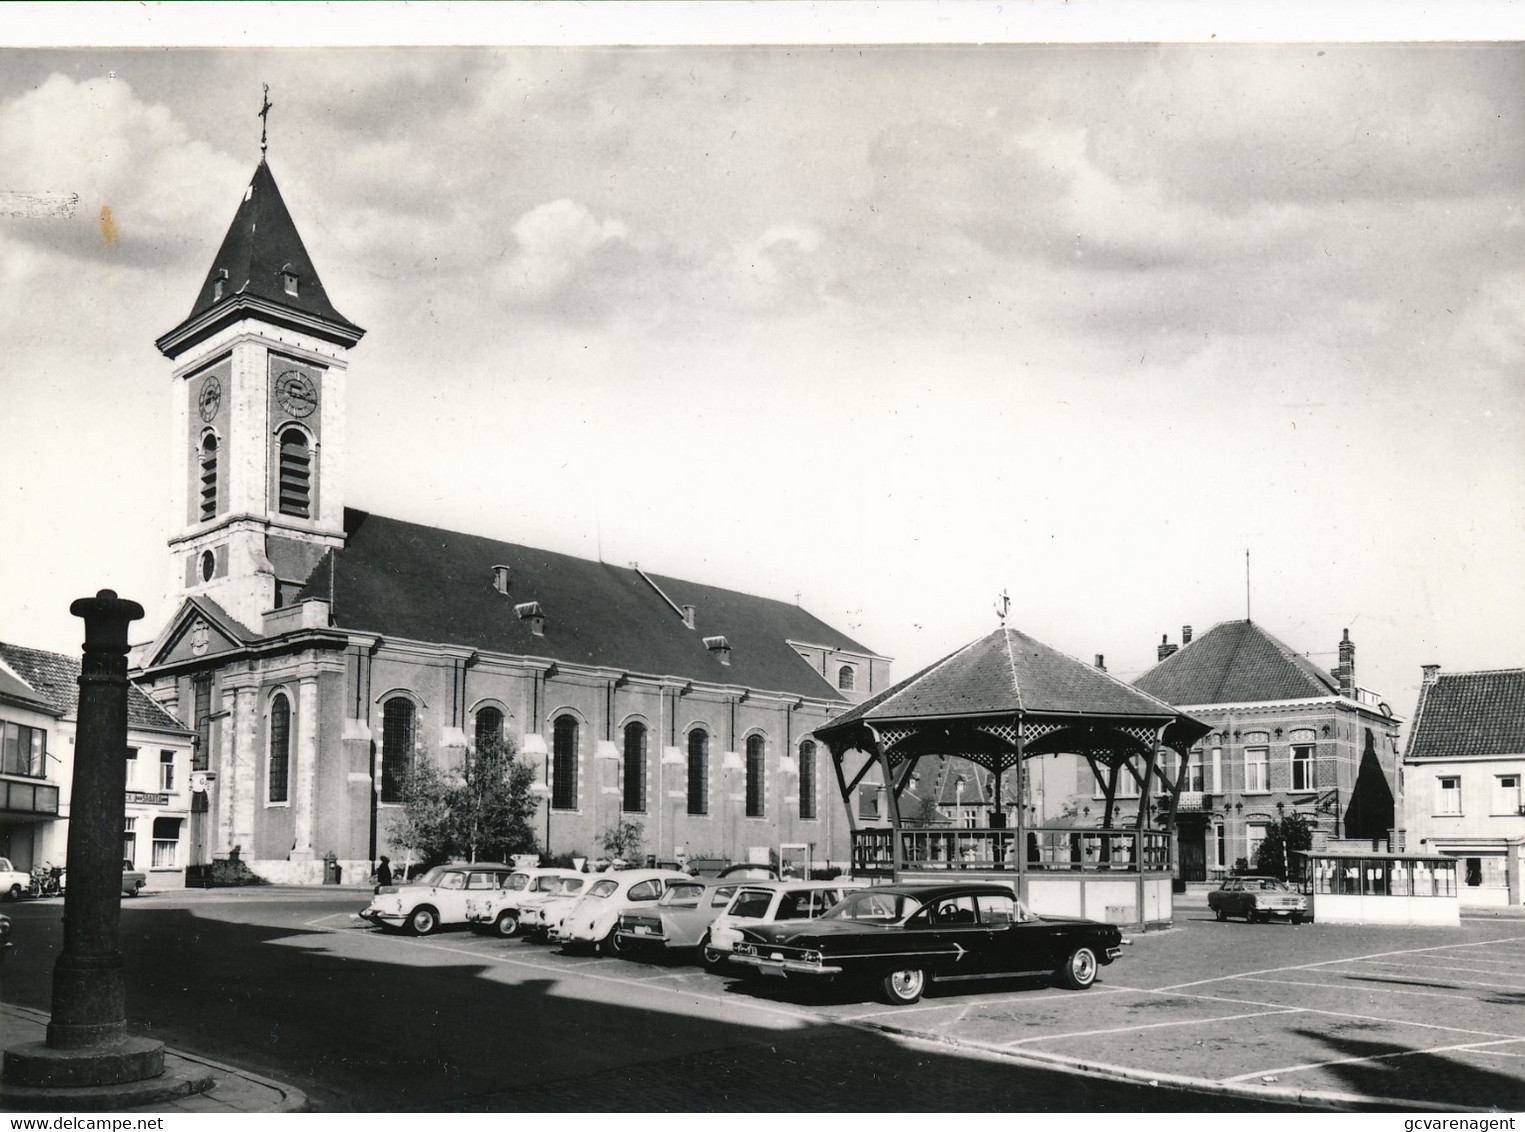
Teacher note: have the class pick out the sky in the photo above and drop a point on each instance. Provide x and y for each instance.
(888, 329)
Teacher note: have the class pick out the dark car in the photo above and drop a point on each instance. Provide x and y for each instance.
(900, 936)
(1257, 898)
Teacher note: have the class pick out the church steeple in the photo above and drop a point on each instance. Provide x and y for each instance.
(262, 269)
(258, 398)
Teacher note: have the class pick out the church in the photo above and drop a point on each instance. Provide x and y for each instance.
(318, 652)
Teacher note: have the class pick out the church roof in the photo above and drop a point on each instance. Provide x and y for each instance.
(54, 677)
(421, 583)
(1236, 662)
(261, 248)
(1470, 713)
(1004, 673)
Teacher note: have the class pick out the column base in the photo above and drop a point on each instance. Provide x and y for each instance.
(39, 1065)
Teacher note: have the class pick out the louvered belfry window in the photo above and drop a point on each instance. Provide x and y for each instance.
(296, 474)
(209, 477)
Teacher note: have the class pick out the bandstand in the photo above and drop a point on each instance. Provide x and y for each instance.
(1001, 702)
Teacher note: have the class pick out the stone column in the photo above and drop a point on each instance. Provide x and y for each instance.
(306, 777)
(87, 1041)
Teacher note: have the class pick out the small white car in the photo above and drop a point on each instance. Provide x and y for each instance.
(13, 881)
(435, 899)
(498, 911)
(538, 910)
(762, 903)
(593, 921)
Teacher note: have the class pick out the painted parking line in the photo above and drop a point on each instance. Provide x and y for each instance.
(1444, 973)
(1383, 990)
(1007, 999)
(1152, 1026)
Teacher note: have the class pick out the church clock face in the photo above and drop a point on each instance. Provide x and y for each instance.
(295, 393)
(210, 398)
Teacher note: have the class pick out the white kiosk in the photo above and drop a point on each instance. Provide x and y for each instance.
(1375, 887)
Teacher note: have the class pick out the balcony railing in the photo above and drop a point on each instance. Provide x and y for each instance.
(995, 850)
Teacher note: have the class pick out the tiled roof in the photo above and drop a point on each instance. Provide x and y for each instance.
(423, 583)
(1236, 662)
(262, 242)
(1470, 713)
(1005, 673)
(17, 691)
(55, 678)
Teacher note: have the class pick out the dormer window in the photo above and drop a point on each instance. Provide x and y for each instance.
(529, 611)
(289, 280)
(720, 647)
(220, 284)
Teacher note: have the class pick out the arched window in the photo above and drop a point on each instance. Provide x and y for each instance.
(489, 727)
(564, 763)
(755, 776)
(846, 678)
(807, 779)
(280, 748)
(398, 727)
(209, 477)
(698, 772)
(296, 474)
(635, 768)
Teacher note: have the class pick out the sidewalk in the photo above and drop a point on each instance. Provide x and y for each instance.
(233, 1090)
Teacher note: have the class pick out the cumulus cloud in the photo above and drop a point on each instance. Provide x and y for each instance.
(558, 242)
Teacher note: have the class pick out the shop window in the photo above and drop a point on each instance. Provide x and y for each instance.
(564, 763)
(166, 843)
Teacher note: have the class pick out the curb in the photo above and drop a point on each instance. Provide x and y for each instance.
(293, 1099)
(1306, 1098)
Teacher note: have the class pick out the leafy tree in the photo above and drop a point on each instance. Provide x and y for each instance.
(623, 839)
(1289, 833)
(483, 812)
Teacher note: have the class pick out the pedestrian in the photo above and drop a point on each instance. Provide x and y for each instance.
(383, 873)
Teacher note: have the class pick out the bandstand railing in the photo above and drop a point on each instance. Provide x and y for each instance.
(995, 850)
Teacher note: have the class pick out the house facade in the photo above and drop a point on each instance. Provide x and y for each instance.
(1287, 738)
(1463, 767)
(39, 705)
(318, 652)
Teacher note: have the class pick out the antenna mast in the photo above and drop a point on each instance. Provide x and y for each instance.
(1246, 583)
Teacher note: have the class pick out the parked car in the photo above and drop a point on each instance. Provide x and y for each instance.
(901, 936)
(133, 881)
(539, 911)
(5, 936)
(746, 870)
(680, 919)
(498, 911)
(592, 920)
(761, 903)
(435, 899)
(13, 881)
(1256, 899)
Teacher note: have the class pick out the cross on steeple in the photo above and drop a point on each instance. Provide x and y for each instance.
(1002, 606)
(264, 120)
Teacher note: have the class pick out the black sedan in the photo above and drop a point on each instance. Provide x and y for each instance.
(899, 936)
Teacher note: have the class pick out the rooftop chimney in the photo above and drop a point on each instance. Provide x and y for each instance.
(1431, 673)
(1165, 647)
(1185, 634)
(500, 579)
(1346, 672)
(1101, 662)
(688, 615)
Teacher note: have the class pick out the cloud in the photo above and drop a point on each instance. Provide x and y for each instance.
(560, 242)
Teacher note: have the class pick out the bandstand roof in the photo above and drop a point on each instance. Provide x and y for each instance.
(1007, 676)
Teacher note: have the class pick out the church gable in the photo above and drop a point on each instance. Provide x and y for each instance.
(199, 630)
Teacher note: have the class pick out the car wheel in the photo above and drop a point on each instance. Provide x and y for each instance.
(506, 925)
(423, 921)
(1297, 917)
(611, 944)
(901, 988)
(1252, 917)
(1222, 916)
(15, 892)
(711, 959)
(1079, 970)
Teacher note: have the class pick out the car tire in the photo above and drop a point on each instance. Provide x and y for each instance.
(1252, 917)
(1297, 917)
(612, 946)
(506, 926)
(903, 987)
(1079, 969)
(1222, 916)
(15, 892)
(423, 921)
(709, 958)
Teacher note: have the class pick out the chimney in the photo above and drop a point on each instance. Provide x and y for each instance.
(688, 616)
(1101, 662)
(1346, 672)
(1431, 674)
(1185, 634)
(500, 579)
(1165, 647)
(719, 646)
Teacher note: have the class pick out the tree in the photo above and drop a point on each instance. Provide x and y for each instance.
(1283, 836)
(623, 839)
(483, 812)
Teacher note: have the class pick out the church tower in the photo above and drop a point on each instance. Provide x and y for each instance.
(258, 417)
